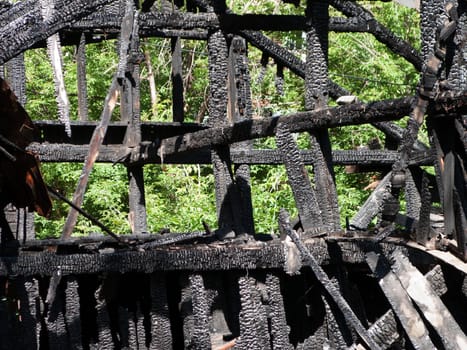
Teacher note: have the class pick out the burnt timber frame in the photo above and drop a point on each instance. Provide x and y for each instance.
(317, 284)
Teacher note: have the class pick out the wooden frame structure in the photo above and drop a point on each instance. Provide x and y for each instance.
(316, 286)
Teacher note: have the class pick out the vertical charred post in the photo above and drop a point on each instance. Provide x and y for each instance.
(239, 96)
(72, 312)
(423, 232)
(254, 334)
(413, 194)
(227, 197)
(201, 310)
(177, 80)
(277, 319)
(104, 332)
(160, 318)
(316, 97)
(80, 57)
(130, 113)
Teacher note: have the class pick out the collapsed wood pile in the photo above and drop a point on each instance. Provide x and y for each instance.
(316, 285)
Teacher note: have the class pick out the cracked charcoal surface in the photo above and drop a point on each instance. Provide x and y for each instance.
(104, 332)
(279, 328)
(186, 311)
(385, 330)
(227, 196)
(82, 90)
(254, 333)
(240, 88)
(423, 232)
(160, 318)
(72, 312)
(201, 309)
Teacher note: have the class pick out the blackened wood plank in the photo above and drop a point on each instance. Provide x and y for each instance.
(279, 328)
(80, 57)
(304, 195)
(201, 311)
(177, 81)
(352, 114)
(428, 302)
(373, 205)
(72, 312)
(240, 108)
(400, 302)
(160, 318)
(316, 97)
(254, 332)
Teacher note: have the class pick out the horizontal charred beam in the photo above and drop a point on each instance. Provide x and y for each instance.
(190, 257)
(54, 132)
(352, 114)
(62, 152)
(228, 22)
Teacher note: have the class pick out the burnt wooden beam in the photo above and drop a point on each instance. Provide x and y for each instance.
(198, 257)
(29, 28)
(428, 302)
(316, 98)
(373, 159)
(305, 196)
(400, 302)
(72, 314)
(352, 114)
(279, 328)
(131, 114)
(201, 309)
(177, 81)
(161, 329)
(228, 204)
(27, 294)
(254, 332)
(373, 205)
(240, 108)
(82, 88)
(104, 331)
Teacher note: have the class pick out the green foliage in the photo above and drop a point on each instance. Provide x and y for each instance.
(181, 197)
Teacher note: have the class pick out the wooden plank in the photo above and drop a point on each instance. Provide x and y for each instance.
(428, 302)
(316, 98)
(177, 81)
(353, 114)
(400, 302)
(82, 88)
(304, 195)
